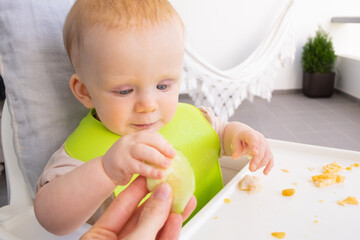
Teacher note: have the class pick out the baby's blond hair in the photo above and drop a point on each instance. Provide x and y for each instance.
(109, 14)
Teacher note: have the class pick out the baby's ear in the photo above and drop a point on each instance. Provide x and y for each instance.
(80, 91)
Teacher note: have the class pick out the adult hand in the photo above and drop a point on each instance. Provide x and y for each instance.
(152, 220)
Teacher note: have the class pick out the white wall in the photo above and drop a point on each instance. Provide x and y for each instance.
(349, 76)
(225, 32)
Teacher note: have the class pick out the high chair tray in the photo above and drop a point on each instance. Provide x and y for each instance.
(311, 213)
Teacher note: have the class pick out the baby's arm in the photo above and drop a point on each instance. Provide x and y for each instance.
(65, 203)
(240, 139)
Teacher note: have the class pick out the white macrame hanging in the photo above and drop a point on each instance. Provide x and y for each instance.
(223, 91)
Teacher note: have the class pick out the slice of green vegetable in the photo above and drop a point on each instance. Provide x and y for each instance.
(180, 176)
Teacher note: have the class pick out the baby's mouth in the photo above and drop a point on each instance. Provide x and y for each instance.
(144, 125)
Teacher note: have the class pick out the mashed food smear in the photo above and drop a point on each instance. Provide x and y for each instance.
(249, 183)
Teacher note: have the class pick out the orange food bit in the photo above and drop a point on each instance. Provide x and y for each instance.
(348, 200)
(332, 168)
(327, 179)
(227, 200)
(339, 179)
(351, 200)
(285, 170)
(288, 192)
(278, 235)
(353, 165)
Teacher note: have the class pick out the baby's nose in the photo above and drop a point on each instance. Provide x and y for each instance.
(146, 104)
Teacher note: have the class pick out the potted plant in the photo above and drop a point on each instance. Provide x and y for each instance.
(318, 59)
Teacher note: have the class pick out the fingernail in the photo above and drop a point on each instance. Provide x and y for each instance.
(163, 191)
(160, 174)
(172, 152)
(252, 166)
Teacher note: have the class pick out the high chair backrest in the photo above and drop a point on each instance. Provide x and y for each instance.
(36, 73)
(17, 219)
(18, 192)
(39, 112)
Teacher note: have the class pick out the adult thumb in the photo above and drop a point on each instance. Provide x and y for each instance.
(155, 212)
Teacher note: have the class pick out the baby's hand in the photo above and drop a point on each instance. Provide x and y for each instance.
(139, 153)
(253, 143)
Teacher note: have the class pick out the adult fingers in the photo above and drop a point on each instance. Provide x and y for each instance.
(154, 213)
(99, 233)
(172, 227)
(123, 206)
(190, 207)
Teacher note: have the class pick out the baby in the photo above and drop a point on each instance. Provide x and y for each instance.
(127, 56)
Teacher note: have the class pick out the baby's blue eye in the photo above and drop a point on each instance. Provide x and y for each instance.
(161, 86)
(125, 92)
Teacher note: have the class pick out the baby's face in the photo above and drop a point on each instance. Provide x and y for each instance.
(133, 76)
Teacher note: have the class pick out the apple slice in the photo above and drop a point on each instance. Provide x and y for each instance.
(180, 176)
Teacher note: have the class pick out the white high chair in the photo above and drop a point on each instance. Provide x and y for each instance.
(39, 112)
(17, 219)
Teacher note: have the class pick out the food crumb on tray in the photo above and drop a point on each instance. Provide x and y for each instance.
(348, 200)
(227, 200)
(353, 165)
(324, 180)
(288, 192)
(311, 169)
(278, 235)
(329, 177)
(249, 183)
(332, 168)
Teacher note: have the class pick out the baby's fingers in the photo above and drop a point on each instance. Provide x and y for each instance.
(156, 141)
(245, 143)
(267, 161)
(148, 154)
(147, 170)
(269, 166)
(258, 155)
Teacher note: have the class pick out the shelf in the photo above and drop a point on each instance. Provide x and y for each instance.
(345, 20)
